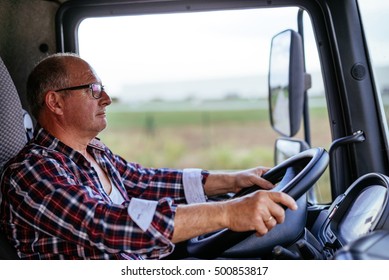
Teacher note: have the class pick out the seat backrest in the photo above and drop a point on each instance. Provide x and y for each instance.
(12, 131)
(12, 136)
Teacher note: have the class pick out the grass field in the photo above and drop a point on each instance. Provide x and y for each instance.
(215, 140)
(223, 139)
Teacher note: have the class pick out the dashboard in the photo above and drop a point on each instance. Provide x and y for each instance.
(362, 209)
(362, 215)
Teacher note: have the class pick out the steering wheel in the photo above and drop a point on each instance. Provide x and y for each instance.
(295, 176)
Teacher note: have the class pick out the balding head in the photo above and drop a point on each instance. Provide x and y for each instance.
(51, 73)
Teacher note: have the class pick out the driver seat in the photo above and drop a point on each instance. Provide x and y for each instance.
(14, 135)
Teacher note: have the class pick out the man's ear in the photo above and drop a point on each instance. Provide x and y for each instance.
(54, 102)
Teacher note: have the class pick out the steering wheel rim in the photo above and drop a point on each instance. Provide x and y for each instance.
(295, 176)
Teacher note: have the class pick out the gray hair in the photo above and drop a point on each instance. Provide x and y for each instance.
(51, 73)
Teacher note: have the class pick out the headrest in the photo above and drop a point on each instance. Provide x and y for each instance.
(12, 131)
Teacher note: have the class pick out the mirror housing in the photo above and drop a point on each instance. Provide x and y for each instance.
(285, 148)
(287, 82)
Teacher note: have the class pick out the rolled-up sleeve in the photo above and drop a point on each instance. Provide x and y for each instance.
(193, 185)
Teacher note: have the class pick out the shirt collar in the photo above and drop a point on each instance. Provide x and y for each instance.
(44, 138)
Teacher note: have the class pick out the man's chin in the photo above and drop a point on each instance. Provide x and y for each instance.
(103, 126)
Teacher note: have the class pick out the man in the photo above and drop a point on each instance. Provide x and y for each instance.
(67, 196)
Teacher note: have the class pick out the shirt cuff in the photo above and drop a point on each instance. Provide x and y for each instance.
(193, 185)
(142, 211)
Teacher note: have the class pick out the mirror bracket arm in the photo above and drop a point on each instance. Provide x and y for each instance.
(356, 137)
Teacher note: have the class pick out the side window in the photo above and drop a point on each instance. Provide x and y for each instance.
(375, 19)
(191, 89)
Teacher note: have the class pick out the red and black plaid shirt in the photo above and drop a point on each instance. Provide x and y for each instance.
(54, 207)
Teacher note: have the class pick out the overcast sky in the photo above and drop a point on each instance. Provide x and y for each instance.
(179, 47)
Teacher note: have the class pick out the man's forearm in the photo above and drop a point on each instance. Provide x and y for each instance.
(219, 183)
(258, 211)
(196, 219)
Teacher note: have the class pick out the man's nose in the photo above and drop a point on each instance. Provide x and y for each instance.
(105, 98)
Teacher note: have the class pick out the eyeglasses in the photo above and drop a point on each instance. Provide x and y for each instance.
(96, 89)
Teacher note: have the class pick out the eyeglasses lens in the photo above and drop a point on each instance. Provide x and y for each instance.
(96, 90)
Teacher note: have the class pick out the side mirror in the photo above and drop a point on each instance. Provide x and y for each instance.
(287, 82)
(285, 148)
(288, 147)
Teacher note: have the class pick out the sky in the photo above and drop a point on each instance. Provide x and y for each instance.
(173, 48)
(179, 40)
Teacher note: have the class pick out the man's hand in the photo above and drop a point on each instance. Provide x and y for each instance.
(259, 211)
(250, 177)
(221, 183)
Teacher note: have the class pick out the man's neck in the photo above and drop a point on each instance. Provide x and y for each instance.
(76, 141)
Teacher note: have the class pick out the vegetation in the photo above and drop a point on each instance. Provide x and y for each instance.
(214, 140)
(211, 139)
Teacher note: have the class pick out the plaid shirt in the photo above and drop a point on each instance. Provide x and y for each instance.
(53, 206)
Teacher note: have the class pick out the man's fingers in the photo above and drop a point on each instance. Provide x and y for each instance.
(284, 199)
(264, 184)
(259, 180)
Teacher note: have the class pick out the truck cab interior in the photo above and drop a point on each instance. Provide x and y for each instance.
(325, 96)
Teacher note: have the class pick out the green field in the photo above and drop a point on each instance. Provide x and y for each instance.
(218, 139)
